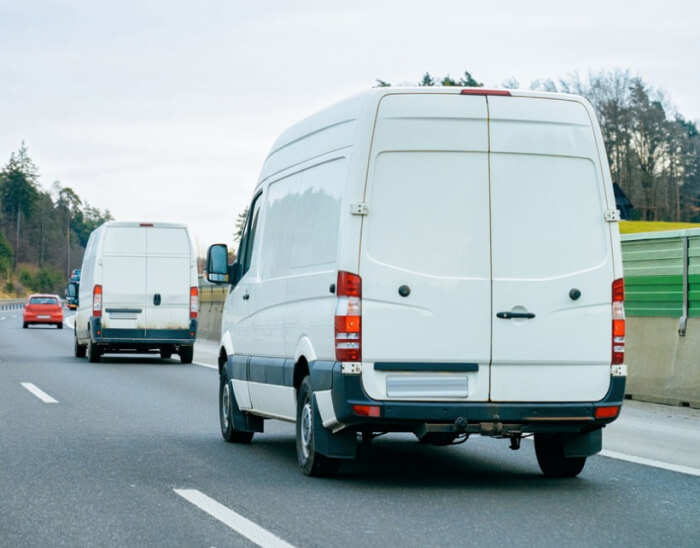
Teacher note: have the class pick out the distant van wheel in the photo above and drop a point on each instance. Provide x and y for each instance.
(186, 354)
(550, 456)
(438, 438)
(227, 404)
(311, 463)
(165, 354)
(93, 352)
(78, 349)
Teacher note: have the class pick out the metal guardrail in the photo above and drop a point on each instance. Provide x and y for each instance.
(12, 304)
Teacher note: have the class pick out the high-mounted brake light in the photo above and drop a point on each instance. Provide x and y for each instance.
(146, 224)
(194, 302)
(97, 301)
(348, 318)
(482, 91)
(618, 322)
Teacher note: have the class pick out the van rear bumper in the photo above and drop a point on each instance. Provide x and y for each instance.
(141, 338)
(489, 418)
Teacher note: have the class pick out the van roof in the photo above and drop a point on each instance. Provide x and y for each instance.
(352, 109)
(155, 224)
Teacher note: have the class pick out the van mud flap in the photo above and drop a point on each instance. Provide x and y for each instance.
(341, 445)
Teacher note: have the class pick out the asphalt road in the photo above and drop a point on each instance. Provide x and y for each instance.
(130, 454)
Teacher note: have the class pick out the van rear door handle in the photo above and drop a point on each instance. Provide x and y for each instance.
(246, 296)
(511, 315)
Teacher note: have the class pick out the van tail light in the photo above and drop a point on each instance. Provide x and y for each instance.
(194, 302)
(348, 318)
(97, 301)
(618, 322)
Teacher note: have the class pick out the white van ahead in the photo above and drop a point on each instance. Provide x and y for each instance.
(138, 291)
(441, 261)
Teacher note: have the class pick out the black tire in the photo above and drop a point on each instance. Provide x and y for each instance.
(25, 325)
(59, 325)
(78, 349)
(550, 456)
(227, 403)
(93, 352)
(186, 354)
(438, 438)
(310, 462)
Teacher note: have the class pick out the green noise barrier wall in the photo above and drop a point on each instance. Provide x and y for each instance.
(662, 273)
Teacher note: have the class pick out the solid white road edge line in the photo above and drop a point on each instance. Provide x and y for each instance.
(70, 322)
(43, 396)
(206, 365)
(243, 526)
(651, 462)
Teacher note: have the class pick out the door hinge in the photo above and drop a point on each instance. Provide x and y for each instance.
(612, 215)
(359, 208)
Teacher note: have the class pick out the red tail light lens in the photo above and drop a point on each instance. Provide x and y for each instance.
(348, 318)
(367, 410)
(608, 412)
(618, 322)
(194, 302)
(97, 301)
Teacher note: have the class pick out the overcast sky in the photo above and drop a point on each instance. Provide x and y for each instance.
(165, 110)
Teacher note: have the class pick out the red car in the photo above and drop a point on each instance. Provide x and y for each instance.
(43, 309)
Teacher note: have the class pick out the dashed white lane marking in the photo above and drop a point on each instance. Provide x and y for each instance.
(206, 365)
(651, 462)
(70, 322)
(250, 530)
(43, 396)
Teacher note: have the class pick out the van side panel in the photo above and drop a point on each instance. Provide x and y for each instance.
(549, 237)
(427, 229)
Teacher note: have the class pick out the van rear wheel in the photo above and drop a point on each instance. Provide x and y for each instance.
(186, 354)
(93, 352)
(311, 462)
(550, 456)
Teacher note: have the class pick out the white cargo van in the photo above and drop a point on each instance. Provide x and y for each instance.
(138, 291)
(440, 261)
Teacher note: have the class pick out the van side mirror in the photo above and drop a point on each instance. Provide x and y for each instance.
(217, 264)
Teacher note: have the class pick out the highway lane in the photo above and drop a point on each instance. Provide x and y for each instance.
(101, 467)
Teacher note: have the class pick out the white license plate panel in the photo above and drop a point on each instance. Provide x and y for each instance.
(427, 386)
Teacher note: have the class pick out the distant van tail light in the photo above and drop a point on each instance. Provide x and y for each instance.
(194, 302)
(97, 301)
(348, 318)
(618, 322)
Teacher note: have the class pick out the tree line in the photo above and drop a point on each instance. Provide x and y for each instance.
(43, 233)
(653, 151)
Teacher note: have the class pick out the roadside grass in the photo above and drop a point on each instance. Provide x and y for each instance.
(633, 227)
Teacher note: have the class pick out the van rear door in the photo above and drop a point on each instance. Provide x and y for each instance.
(425, 250)
(550, 242)
(123, 274)
(167, 281)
